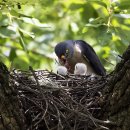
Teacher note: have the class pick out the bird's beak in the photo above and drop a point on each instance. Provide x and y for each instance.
(63, 57)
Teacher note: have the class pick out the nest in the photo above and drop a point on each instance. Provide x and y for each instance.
(53, 102)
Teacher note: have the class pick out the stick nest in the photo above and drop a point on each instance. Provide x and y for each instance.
(54, 102)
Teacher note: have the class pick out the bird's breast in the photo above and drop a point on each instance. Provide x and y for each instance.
(79, 58)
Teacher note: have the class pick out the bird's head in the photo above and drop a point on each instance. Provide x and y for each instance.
(64, 52)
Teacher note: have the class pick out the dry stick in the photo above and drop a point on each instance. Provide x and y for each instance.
(31, 69)
(100, 127)
(88, 116)
(34, 103)
(30, 90)
(59, 121)
(46, 124)
(43, 117)
(58, 75)
(36, 117)
(61, 104)
(65, 119)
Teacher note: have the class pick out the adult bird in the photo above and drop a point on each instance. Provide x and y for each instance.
(71, 52)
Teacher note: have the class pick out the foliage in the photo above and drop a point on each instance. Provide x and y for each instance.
(29, 30)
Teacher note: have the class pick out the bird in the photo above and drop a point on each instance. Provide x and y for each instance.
(80, 69)
(70, 52)
(62, 70)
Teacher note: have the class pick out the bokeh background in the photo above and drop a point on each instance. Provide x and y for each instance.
(29, 30)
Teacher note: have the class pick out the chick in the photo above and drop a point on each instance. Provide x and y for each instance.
(80, 69)
(62, 70)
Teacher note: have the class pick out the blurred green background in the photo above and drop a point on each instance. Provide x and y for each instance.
(29, 30)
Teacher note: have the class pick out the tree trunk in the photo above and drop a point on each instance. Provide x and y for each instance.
(11, 117)
(118, 108)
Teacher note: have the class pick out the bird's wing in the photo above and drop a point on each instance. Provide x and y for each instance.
(91, 56)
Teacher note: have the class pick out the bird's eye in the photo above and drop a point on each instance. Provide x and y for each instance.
(67, 53)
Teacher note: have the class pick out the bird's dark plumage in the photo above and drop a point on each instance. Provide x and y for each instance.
(90, 54)
(86, 51)
(60, 49)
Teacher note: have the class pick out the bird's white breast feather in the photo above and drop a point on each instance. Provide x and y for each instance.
(77, 48)
(62, 70)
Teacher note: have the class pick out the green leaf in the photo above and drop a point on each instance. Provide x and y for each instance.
(84, 30)
(5, 32)
(25, 32)
(15, 13)
(21, 63)
(23, 15)
(21, 41)
(99, 2)
(12, 54)
(35, 22)
(93, 25)
(96, 22)
(75, 6)
(4, 20)
(125, 4)
(104, 37)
